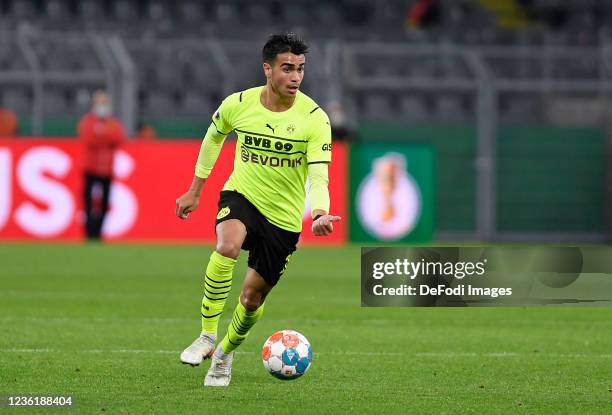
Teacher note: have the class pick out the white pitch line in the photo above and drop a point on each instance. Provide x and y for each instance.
(467, 354)
(447, 354)
(511, 354)
(338, 353)
(120, 319)
(365, 353)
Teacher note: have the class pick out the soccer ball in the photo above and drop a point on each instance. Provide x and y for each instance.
(287, 354)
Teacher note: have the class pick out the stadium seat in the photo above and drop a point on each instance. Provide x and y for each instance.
(449, 109)
(385, 66)
(157, 10)
(292, 14)
(453, 67)
(195, 105)
(90, 9)
(226, 12)
(203, 75)
(359, 12)
(17, 99)
(190, 12)
(11, 58)
(520, 108)
(587, 68)
(424, 68)
(22, 9)
(378, 107)
(159, 105)
(55, 102)
(327, 15)
(125, 11)
(167, 71)
(82, 100)
(257, 13)
(248, 76)
(57, 12)
(413, 108)
(145, 59)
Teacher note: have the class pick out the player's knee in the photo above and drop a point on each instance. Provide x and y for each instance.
(228, 249)
(251, 300)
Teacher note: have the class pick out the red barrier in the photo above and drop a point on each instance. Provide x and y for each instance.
(41, 192)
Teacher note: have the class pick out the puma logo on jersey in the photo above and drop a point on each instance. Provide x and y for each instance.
(223, 212)
(270, 127)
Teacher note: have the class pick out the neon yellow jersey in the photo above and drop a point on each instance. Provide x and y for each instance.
(273, 151)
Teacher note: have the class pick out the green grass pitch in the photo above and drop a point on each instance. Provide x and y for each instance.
(106, 324)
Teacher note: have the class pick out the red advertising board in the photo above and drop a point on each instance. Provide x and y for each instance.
(41, 192)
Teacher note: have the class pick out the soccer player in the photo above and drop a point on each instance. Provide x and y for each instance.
(283, 138)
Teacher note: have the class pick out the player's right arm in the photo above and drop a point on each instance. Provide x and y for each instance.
(190, 200)
(209, 152)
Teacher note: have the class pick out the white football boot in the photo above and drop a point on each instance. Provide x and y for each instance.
(220, 372)
(202, 348)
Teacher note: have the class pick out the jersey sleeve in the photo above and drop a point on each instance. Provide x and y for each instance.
(215, 136)
(319, 143)
(222, 118)
(318, 193)
(209, 152)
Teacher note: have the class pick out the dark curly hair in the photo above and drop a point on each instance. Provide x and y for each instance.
(287, 42)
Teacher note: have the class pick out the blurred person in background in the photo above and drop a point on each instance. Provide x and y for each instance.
(145, 131)
(422, 14)
(8, 123)
(101, 135)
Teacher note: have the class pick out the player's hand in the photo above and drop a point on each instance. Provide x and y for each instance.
(324, 225)
(186, 204)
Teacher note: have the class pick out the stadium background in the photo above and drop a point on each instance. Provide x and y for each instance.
(511, 98)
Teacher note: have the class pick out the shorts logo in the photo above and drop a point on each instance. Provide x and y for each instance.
(223, 212)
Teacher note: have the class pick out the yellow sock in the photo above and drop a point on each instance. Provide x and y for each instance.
(239, 328)
(217, 285)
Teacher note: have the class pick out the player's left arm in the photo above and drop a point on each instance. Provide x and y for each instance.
(318, 156)
(318, 194)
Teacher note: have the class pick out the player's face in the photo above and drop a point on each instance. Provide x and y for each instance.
(285, 74)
